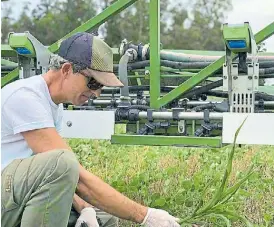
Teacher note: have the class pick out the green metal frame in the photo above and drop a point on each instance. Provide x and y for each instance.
(154, 17)
(155, 76)
(206, 72)
(156, 101)
(8, 63)
(7, 51)
(167, 140)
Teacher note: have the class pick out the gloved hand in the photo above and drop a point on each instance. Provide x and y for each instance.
(88, 216)
(159, 218)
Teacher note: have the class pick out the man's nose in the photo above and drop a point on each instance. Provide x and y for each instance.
(97, 93)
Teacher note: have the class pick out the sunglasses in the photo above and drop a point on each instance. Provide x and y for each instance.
(92, 83)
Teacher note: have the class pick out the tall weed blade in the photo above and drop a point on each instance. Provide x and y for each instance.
(231, 191)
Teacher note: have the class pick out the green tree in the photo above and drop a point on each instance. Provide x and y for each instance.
(24, 22)
(53, 19)
(131, 24)
(6, 22)
(204, 26)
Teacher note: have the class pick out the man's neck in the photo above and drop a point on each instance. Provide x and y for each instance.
(54, 86)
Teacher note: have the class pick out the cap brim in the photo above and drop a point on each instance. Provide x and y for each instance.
(108, 79)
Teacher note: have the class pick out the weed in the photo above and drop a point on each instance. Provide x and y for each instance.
(174, 179)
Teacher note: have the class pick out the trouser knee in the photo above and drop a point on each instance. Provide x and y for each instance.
(66, 167)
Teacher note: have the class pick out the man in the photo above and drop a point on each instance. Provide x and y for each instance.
(41, 177)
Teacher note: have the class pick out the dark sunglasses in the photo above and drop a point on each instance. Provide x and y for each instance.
(92, 83)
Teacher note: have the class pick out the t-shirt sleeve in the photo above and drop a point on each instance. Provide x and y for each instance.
(26, 111)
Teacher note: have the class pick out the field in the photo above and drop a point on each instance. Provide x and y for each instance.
(174, 178)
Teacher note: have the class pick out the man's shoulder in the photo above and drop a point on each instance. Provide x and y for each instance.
(22, 87)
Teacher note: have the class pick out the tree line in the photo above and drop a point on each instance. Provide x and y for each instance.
(184, 24)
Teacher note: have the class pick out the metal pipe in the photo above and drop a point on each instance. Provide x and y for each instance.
(189, 103)
(123, 74)
(184, 64)
(212, 56)
(117, 101)
(267, 103)
(173, 56)
(197, 103)
(109, 96)
(182, 115)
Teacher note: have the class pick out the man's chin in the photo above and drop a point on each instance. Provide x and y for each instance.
(79, 103)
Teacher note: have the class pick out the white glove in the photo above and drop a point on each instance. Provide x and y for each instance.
(159, 218)
(88, 216)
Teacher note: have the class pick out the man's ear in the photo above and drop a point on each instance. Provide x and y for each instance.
(66, 69)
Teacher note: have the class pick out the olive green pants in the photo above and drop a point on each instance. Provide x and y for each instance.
(38, 191)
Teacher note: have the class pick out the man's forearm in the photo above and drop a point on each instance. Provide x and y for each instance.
(96, 192)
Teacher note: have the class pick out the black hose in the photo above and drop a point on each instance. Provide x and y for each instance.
(203, 107)
(258, 95)
(136, 88)
(182, 65)
(203, 89)
(7, 68)
(264, 96)
(266, 71)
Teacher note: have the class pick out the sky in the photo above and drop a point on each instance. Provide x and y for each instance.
(259, 13)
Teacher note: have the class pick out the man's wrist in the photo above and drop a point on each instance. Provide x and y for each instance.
(140, 216)
(79, 204)
(87, 205)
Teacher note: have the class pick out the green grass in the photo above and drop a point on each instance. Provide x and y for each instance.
(174, 179)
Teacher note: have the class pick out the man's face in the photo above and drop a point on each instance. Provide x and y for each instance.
(81, 86)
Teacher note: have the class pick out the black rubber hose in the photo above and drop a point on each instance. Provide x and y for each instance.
(136, 88)
(258, 95)
(266, 71)
(182, 65)
(7, 68)
(203, 107)
(201, 90)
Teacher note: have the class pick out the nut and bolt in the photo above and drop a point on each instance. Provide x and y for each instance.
(147, 72)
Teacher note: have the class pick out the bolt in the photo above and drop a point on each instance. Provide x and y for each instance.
(69, 123)
(250, 77)
(235, 77)
(256, 77)
(147, 72)
(225, 77)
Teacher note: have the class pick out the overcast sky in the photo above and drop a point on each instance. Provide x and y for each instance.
(259, 13)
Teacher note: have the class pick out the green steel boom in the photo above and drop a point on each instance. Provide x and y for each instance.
(176, 126)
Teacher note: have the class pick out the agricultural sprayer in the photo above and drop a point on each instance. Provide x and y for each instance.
(210, 95)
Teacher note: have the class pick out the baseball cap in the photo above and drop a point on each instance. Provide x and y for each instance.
(93, 54)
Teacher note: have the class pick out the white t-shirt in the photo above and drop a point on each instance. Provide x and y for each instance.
(25, 105)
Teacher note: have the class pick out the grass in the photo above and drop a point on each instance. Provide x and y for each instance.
(174, 179)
